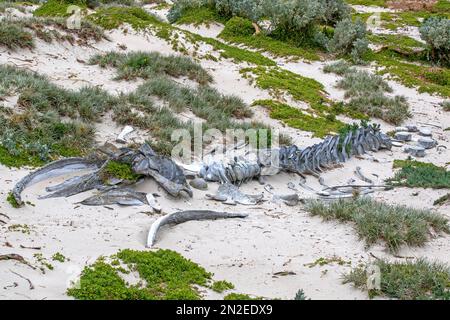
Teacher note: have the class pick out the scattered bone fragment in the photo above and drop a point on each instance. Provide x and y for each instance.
(415, 151)
(361, 176)
(199, 184)
(425, 132)
(153, 203)
(403, 136)
(121, 138)
(427, 143)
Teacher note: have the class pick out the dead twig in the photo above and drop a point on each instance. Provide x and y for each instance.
(34, 248)
(17, 257)
(4, 215)
(29, 281)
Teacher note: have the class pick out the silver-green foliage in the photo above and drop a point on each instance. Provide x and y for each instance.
(436, 33)
(350, 38)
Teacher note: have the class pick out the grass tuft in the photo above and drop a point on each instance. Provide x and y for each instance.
(418, 280)
(13, 35)
(221, 286)
(374, 221)
(147, 65)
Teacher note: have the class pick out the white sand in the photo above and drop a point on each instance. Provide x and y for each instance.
(246, 252)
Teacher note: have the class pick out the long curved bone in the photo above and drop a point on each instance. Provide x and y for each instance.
(184, 216)
(52, 169)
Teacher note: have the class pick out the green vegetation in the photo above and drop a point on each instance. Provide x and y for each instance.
(20, 33)
(415, 174)
(147, 65)
(122, 171)
(239, 296)
(435, 32)
(23, 228)
(409, 71)
(326, 261)
(241, 31)
(374, 221)
(401, 19)
(221, 286)
(139, 19)
(59, 257)
(300, 88)
(418, 280)
(300, 295)
(366, 94)
(43, 262)
(12, 200)
(34, 132)
(298, 29)
(14, 36)
(198, 16)
(296, 118)
(163, 275)
(58, 8)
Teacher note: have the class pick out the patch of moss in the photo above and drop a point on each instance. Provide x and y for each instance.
(221, 286)
(415, 174)
(118, 170)
(325, 261)
(12, 201)
(320, 126)
(164, 275)
(59, 257)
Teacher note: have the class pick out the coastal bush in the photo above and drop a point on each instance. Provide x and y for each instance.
(350, 38)
(411, 280)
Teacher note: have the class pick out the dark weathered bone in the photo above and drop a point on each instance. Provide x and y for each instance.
(53, 169)
(166, 172)
(121, 196)
(184, 216)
